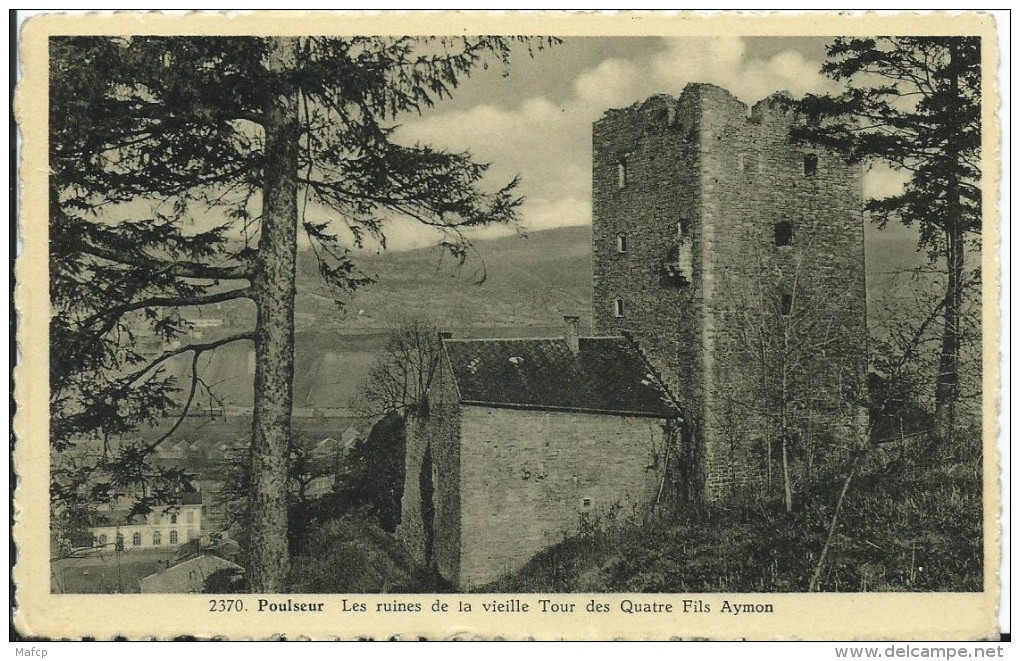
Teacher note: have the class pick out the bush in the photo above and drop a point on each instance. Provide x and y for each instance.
(349, 556)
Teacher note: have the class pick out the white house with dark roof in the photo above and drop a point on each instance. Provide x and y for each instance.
(116, 528)
(521, 441)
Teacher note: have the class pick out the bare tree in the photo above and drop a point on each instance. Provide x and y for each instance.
(403, 373)
(795, 345)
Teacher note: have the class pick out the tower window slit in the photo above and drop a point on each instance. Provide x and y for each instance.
(784, 233)
(810, 165)
(786, 305)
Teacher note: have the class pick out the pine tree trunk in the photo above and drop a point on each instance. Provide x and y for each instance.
(947, 382)
(274, 293)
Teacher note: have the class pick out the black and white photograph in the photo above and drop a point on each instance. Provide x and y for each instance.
(682, 324)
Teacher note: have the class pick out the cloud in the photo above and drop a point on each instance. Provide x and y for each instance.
(610, 84)
(724, 62)
(880, 180)
(549, 143)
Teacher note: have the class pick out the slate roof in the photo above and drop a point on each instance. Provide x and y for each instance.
(187, 576)
(122, 516)
(607, 375)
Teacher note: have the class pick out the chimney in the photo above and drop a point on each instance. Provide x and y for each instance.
(573, 328)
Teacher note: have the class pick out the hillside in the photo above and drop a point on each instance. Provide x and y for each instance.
(530, 283)
(911, 522)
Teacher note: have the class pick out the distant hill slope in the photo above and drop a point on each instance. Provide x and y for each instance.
(530, 283)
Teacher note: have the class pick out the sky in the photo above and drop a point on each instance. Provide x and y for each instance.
(534, 117)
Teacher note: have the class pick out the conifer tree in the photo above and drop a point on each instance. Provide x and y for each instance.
(256, 131)
(914, 103)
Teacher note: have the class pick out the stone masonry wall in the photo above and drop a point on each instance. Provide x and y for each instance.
(722, 341)
(437, 437)
(813, 345)
(657, 143)
(525, 476)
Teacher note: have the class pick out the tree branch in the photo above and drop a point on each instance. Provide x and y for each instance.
(176, 269)
(169, 301)
(134, 377)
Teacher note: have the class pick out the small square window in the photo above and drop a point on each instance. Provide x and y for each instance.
(784, 233)
(618, 307)
(786, 305)
(810, 165)
(621, 243)
(586, 502)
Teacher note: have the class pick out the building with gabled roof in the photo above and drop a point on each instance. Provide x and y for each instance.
(188, 576)
(118, 528)
(735, 260)
(523, 439)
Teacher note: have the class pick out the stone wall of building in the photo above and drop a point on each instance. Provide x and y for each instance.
(430, 504)
(656, 208)
(784, 325)
(706, 172)
(528, 478)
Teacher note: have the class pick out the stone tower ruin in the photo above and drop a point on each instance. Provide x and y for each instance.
(734, 259)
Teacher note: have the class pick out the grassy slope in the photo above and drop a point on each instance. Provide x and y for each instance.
(907, 524)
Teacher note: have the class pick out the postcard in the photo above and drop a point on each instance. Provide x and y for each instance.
(536, 325)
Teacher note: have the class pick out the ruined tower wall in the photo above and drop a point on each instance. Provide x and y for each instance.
(432, 461)
(656, 144)
(721, 340)
(784, 325)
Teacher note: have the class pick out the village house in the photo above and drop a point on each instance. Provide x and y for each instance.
(186, 577)
(523, 440)
(166, 525)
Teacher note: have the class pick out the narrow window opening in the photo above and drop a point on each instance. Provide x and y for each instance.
(810, 165)
(621, 243)
(786, 305)
(621, 173)
(784, 233)
(156, 538)
(618, 307)
(586, 502)
(136, 539)
(740, 162)
(173, 536)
